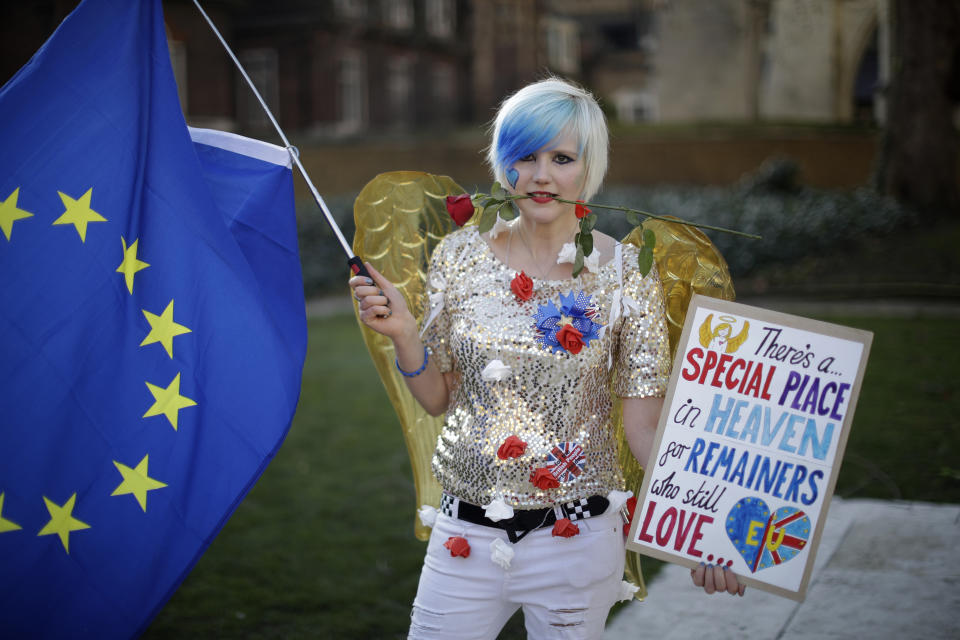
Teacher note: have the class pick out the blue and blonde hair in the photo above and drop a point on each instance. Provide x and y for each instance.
(536, 115)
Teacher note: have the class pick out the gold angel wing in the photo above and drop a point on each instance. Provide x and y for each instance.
(400, 217)
(688, 263)
(706, 331)
(734, 343)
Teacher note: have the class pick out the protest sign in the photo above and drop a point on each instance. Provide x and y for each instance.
(750, 440)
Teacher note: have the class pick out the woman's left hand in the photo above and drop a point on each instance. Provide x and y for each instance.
(716, 579)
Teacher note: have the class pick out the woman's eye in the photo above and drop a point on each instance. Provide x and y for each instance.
(562, 158)
(527, 158)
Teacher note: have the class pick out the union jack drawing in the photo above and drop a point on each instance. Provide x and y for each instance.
(565, 461)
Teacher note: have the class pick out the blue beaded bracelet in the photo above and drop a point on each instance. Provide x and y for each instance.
(413, 374)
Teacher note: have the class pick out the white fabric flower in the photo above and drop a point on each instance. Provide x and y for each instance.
(495, 371)
(568, 253)
(499, 227)
(501, 553)
(627, 591)
(618, 499)
(622, 305)
(428, 515)
(498, 510)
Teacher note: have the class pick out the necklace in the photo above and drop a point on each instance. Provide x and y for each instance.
(536, 263)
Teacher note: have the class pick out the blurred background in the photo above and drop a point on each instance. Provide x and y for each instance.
(829, 127)
(814, 122)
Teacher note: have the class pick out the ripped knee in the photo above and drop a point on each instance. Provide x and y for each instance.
(564, 618)
(424, 622)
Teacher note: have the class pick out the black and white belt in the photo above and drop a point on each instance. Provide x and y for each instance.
(524, 520)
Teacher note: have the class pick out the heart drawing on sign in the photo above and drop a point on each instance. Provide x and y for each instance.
(767, 539)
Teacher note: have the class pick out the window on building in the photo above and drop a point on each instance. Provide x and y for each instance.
(178, 60)
(399, 91)
(397, 14)
(262, 67)
(440, 17)
(635, 105)
(352, 92)
(563, 45)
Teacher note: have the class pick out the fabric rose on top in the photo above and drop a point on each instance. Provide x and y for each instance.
(460, 208)
(522, 286)
(512, 447)
(542, 478)
(581, 211)
(575, 311)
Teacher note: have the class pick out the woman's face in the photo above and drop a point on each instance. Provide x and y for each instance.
(556, 170)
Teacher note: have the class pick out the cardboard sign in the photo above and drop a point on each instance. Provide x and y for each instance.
(749, 444)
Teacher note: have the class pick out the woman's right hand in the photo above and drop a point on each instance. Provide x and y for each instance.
(382, 307)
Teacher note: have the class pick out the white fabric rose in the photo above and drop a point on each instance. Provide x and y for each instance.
(618, 499)
(627, 591)
(437, 282)
(495, 371)
(499, 227)
(568, 253)
(498, 510)
(427, 514)
(501, 553)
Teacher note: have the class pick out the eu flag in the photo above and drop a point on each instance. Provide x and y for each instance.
(152, 329)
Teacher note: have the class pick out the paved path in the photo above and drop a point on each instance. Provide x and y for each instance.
(883, 570)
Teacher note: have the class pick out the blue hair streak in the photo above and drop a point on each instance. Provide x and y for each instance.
(528, 130)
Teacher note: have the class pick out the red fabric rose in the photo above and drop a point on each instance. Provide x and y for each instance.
(522, 286)
(631, 507)
(543, 479)
(580, 210)
(563, 528)
(460, 208)
(570, 338)
(458, 546)
(512, 447)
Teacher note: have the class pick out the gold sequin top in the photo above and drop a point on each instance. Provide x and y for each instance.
(558, 402)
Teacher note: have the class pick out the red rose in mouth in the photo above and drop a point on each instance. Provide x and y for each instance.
(512, 447)
(580, 210)
(458, 546)
(460, 208)
(543, 479)
(522, 286)
(570, 338)
(563, 528)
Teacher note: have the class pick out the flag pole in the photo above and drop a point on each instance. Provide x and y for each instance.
(356, 264)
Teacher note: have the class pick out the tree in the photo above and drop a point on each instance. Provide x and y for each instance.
(920, 146)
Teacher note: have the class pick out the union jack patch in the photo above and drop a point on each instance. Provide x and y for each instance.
(565, 461)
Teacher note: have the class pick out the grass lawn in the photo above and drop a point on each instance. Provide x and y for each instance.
(323, 545)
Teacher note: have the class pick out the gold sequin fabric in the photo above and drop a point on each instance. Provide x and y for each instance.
(549, 399)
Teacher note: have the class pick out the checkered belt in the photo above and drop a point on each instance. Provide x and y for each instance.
(524, 520)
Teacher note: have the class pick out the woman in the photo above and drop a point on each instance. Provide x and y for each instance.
(521, 357)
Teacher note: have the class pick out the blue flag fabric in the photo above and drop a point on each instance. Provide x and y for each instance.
(152, 329)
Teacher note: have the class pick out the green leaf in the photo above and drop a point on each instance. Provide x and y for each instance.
(507, 212)
(645, 260)
(587, 223)
(585, 243)
(487, 219)
(497, 191)
(634, 218)
(578, 263)
(649, 239)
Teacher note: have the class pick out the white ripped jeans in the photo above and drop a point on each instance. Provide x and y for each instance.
(566, 586)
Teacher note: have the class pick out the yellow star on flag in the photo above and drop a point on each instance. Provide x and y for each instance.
(136, 482)
(168, 402)
(62, 521)
(163, 329)
(9, 213)
(130, 264)
(78, 213)
(6, 525)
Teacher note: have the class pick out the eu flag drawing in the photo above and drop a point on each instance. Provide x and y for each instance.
(152, 329)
